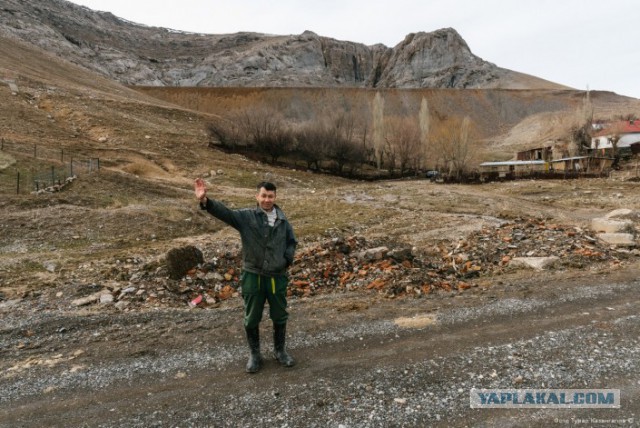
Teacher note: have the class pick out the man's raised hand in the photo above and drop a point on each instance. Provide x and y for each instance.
(200, 189)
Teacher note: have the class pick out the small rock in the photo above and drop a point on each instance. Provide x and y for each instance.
(373, 253)
(87, 299)
(618, 239)
(401, 254)
(106, 298)
(213, 276)
(50, 266)
(538, 263)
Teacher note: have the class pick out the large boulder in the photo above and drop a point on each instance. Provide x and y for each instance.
(617, 239)
(617, 228)
(621, 213)
(610, 225)
(182, 260)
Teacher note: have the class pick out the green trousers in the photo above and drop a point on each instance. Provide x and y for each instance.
(258, 289)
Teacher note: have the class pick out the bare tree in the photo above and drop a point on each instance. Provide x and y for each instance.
(378, 127)
(424, 120)
(267, 132)
(312, 141)
(615, 132)
(340, 146)
(277, 144)
(453, 140)
(226, 133)
(402, 143)
(340, 151)
(582, 125)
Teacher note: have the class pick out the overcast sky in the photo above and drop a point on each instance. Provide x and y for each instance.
(579, 43)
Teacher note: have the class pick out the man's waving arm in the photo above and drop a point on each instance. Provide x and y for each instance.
(213, 207)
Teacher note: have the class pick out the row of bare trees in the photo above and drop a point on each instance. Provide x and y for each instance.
(336, 143)
(348, 144)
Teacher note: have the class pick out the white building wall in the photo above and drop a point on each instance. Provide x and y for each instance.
(625, 141)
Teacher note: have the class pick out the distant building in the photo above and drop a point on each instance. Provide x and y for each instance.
(583, 164)
(625, 132)
(551, 161)
(513, 168)
(541, 153)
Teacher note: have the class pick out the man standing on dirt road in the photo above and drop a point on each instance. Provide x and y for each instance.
(268, 245)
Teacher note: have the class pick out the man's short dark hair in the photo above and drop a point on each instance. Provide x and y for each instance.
(268, 186)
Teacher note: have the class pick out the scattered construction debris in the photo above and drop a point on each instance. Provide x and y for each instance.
(348, 264)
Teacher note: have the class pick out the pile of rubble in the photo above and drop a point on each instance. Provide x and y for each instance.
(356, 264)
(132, 282)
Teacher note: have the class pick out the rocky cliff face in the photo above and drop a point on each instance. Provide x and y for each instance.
(138, 55)
(440, 59)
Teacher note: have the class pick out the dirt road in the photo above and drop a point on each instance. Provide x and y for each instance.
(362, 360)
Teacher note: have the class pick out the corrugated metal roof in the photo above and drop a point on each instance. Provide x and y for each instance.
(507, 163)
(571, 158)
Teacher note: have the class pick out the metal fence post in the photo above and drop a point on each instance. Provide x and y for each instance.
(53, 176)
(18, 184)
(71, 166)
(35, 148)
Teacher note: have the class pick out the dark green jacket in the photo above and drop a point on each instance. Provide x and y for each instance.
(266, 250)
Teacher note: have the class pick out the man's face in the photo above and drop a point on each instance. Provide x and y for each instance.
(266, 199)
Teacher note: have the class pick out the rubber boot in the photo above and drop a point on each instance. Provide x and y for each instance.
(255, 359)
(279, 334)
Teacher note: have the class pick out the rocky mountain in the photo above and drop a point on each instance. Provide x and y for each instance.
(135, 54)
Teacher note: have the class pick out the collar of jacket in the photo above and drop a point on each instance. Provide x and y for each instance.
(279, 212)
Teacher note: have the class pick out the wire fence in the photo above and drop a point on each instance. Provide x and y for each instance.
(41, 169)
